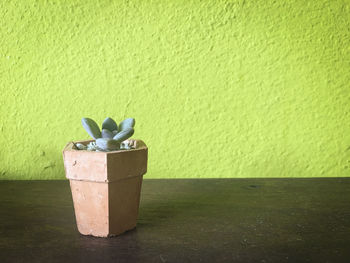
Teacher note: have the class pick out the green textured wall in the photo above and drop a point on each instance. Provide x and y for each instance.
(217, 88)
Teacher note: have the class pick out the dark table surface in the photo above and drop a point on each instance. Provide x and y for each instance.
(201, 220)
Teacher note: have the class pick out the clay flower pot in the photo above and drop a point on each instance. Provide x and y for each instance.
(105, 187)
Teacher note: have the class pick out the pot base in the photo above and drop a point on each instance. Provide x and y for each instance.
(106, 209)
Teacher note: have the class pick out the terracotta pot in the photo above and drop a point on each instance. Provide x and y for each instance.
(105, 187)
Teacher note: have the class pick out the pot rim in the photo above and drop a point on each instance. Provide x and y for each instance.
(104, 167)
(71, 147)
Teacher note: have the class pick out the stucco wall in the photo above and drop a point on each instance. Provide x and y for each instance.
(217, 88)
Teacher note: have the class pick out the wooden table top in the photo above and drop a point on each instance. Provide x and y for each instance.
(194, 220)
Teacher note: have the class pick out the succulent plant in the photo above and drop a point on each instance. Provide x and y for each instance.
(107, 144)
(109, 124)
(111, 137)
(107, 134)
(124, 134)
(91, 127)
(127, 123)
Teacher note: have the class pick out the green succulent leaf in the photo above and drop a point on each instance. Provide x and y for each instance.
(106, 144)
(124, 134)
(91, 127)
(127, 123)
(109, 124)
(107, 134)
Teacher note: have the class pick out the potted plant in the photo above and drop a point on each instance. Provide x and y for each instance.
(105, 177)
